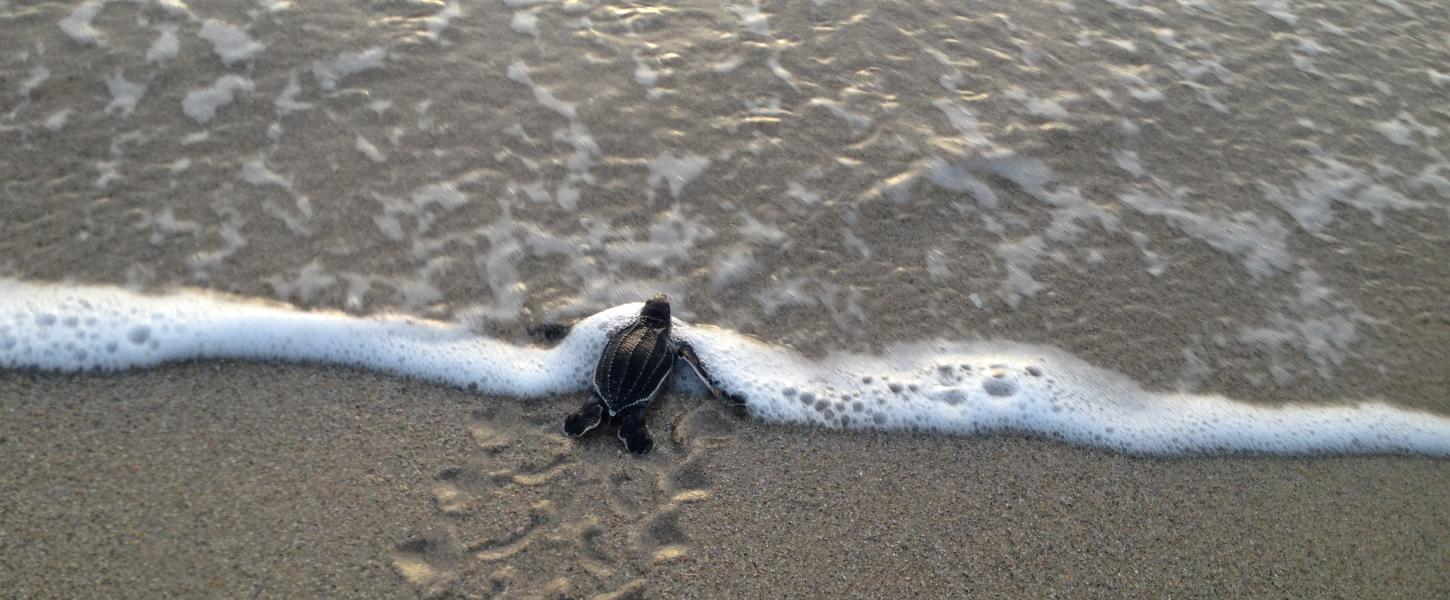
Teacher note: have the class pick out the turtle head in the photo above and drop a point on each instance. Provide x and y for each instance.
(657, 309)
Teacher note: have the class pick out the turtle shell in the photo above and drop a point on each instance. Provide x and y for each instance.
(636, 360)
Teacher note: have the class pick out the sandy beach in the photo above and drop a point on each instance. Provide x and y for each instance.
(244, 480)
(1246, 200)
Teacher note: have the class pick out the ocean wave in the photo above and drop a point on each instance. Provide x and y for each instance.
(945, 386)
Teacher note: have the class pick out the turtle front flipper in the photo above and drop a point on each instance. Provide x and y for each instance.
(634, 432)
(586, 418)
(688, 353)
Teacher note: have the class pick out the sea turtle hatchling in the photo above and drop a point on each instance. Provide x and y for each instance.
(637, 360)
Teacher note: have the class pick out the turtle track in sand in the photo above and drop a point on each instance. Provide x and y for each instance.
(526, 489)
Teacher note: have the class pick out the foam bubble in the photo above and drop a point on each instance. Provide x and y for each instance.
(202, 104)
(56, 120)
(948, 387)
(752, 18)
(166, 46)
(370, 150)
(38, 75)
(526, 22)
(518, 71)
(329, 73)
(123, 330)
(230, 43)
(678, 170)
(966, 388)
(286, 101)
(77, 24)
(174, 8)
(643, 74)
(1438, 78)
(124, 94)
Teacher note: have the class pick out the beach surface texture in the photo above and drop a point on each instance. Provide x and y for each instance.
(1085, 298)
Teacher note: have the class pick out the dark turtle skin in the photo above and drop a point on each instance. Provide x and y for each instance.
(636, 362)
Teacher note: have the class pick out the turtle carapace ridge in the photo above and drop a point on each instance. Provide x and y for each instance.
(637, 360)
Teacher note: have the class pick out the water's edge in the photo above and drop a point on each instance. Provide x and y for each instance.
(944, 386)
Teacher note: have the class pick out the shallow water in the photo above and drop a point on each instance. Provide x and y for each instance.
(1246, 199)
(1238, 197)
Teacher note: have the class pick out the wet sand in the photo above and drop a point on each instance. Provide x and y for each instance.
(267, 480)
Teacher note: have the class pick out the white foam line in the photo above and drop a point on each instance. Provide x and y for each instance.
(949, 387)
(955, 387)
(75, 328)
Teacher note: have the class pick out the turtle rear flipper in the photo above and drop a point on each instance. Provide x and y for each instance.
(586, 418)
(688, 353)
(634, 432)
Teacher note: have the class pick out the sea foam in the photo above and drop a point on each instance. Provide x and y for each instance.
(948, 387)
